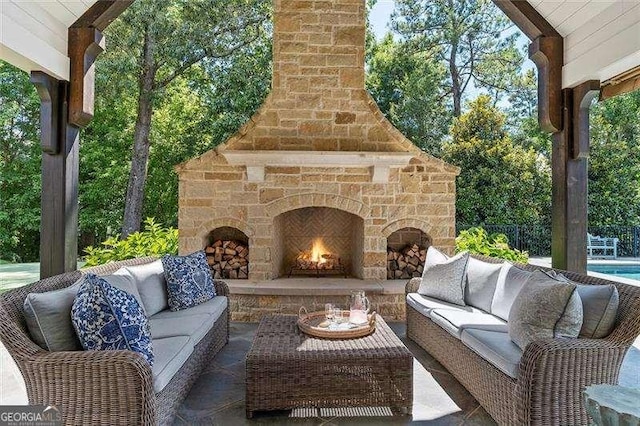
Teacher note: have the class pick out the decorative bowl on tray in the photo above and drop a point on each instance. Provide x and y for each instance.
(316, 324)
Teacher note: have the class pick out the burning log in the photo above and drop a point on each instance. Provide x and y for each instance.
(405, 263)
(228, 259)
(327, 261)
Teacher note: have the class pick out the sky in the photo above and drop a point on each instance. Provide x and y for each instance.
(381, 13)
(379, 17)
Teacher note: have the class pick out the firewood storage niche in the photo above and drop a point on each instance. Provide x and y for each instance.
(406, 253)
(228, 253)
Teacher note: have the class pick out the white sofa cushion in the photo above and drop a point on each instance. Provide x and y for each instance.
(455, 321)
(213, 307)
(425, 305)
(151, 284)
(195, 326)
(510, 282)
(495, 347)
(482, 278)
(170, 354)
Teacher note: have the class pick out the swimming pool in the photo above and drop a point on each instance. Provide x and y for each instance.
(625, 271)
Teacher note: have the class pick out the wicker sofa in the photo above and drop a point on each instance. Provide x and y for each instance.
(101, 387)
(551, 374)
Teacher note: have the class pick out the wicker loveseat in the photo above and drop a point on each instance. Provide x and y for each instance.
(551, 374)
(101, 387)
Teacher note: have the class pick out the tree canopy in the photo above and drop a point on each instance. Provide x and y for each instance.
(211, 64)
(499, 182)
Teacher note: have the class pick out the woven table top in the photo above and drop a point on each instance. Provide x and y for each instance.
(278, 337)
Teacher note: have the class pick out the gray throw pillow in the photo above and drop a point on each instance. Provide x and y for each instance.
(48, 317)
(446, 281)
(482, 278)
(545, 308)
(48, 314)
(510, 282)
(151, 283)
(600, 307)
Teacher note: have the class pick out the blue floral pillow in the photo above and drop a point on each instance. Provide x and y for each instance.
(107, 318)
(189, 281)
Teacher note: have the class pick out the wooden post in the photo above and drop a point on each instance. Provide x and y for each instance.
(65, 108)
(570, 178)
(565, 113)
(59, 200)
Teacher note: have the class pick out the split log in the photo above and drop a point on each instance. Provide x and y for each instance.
(407, 262)
(228, 259)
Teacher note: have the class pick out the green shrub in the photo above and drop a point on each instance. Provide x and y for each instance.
(478, 241)
(153, 241)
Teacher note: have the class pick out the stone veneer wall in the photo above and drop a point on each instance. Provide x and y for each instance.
(251, 308)
(318, 102)
(214, 194)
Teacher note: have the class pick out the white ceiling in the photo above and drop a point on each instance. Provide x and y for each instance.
(33, 34)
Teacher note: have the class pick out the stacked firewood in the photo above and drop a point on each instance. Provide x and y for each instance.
(228, 259)
(405, 263)
(305, 261)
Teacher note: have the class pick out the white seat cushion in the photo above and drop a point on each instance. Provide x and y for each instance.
(456, 321)
(195, 326)
(496, 347)
(170, 354)
(213, 307)
(424, 304)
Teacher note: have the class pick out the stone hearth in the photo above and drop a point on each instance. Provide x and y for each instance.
(318, 148)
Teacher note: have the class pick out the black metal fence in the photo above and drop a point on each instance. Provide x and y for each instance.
(536, 239)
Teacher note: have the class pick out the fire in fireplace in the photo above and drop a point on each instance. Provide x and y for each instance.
(317, 260)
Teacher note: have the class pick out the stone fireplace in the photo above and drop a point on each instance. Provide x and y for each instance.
(318, 160)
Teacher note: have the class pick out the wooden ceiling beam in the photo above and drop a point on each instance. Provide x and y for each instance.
(626, 82)
(101, 14)
(527, 18)
(547, 52)
(85, 44)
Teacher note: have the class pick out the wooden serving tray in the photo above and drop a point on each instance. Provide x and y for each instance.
(308, 323)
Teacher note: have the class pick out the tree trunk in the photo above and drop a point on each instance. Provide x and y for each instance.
(456, 90)
(140, 153)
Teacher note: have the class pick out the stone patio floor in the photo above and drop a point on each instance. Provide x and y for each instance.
(217, 398)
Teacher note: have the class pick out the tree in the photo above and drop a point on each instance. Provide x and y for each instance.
(20, 157)
(468, 36)
(522, 115)
(408, 90)
(167, 40)
(499, 182)
(614, 161)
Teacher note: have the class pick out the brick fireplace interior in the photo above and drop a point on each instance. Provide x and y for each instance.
(317, 160)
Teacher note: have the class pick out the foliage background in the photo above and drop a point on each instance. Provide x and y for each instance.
(494, 138)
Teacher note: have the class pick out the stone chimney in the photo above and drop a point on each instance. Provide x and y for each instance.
(318, 100)
(318, 159)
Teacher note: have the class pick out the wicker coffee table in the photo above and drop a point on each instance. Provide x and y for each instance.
(287, 369)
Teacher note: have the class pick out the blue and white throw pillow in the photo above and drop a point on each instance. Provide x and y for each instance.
(189, 281)
(107, 318)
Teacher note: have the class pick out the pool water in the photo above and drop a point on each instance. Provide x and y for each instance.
(624, 271)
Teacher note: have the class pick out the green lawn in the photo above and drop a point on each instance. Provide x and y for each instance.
(14, 275)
